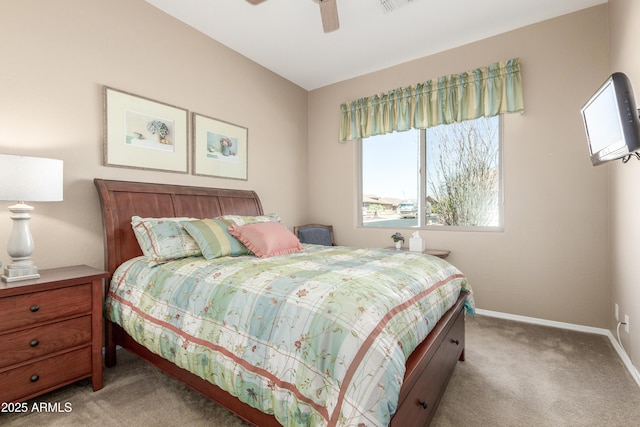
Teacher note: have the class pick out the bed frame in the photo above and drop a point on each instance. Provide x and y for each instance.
(428, 368)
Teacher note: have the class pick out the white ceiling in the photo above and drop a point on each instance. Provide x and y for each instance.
(286, 36)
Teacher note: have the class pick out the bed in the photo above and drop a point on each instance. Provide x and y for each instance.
(310, 386)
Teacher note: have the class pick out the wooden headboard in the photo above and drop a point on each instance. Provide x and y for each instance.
(120, 200)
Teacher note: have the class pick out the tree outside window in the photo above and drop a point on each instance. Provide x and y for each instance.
(463, 174)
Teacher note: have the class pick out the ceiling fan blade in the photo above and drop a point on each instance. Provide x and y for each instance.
(329, 15)
(255, 1)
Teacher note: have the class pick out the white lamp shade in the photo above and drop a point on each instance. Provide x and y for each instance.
(30, 179)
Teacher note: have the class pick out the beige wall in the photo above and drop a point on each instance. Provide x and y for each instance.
(57, 55)
(548, 263)
(624, 197)
(551, 260)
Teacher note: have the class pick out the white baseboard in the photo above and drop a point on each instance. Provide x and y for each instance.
(624, 357)
(573, 327)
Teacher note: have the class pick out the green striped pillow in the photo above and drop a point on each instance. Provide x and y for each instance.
(250, 219)
(212, 235)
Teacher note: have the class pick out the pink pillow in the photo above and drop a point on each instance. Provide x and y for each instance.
(266, 239)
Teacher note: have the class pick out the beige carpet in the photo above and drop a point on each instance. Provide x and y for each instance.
(515, 374)
(518, 374)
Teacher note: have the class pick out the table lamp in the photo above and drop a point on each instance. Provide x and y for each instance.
(26, 179)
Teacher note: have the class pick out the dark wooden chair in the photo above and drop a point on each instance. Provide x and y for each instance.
(317, 234)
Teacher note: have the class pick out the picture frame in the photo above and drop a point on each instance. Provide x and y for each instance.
(143, 133)
(220, 148)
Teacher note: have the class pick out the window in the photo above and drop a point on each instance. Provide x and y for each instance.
(462, 186)
(390, 179)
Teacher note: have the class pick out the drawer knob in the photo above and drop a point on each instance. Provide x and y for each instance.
(456, 342)
(35, 378)
(34, 343)
(34, 308)
(424, 404)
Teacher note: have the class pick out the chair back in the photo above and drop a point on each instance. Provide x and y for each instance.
(317, 234)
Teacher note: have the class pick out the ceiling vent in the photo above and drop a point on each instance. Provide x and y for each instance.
(391, 5)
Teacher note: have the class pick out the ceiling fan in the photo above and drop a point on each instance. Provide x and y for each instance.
(328, 13)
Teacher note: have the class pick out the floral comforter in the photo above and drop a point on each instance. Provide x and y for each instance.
(318, 337)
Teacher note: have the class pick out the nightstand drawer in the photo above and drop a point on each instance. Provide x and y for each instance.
(29, 380)
(28, 309)
(36, 342)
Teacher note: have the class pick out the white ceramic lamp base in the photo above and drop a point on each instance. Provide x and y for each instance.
(20, 246)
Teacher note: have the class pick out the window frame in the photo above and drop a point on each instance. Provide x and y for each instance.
(422, 189)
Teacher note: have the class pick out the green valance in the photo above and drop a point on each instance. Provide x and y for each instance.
(487, 91)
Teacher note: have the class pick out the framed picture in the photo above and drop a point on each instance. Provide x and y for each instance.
(219, 148)
(145, 134)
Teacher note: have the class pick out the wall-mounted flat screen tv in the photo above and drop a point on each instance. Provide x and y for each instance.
(611, 121)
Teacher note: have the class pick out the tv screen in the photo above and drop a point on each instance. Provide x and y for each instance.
(611, 121)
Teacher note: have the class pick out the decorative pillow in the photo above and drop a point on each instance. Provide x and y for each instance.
(246, 219)
(213, 238)
(266, 239)
(163, 239)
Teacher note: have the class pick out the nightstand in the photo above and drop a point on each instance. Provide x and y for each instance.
(440, 253)
(50, 332)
